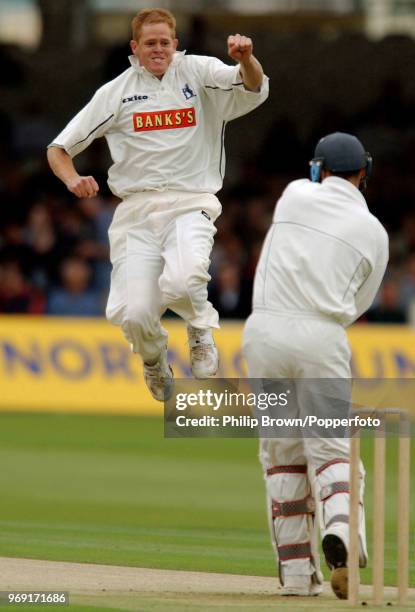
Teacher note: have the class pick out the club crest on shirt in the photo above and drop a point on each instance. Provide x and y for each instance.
(164, 120)
(188, 92)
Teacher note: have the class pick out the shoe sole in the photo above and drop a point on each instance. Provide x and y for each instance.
(168, 389)
(334, 551)
(339, 582)
(336, 557)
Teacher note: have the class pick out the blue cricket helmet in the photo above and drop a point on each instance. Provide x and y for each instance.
(340, 152)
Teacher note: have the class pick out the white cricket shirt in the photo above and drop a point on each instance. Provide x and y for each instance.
(168, 133)
(324, 254)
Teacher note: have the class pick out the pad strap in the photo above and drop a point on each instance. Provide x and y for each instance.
(293, 507)
(287, 469)
(286, 552)
(338, 518)
(334, 488)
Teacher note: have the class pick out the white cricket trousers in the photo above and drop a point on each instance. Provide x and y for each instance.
(160, 245)
(297, 469)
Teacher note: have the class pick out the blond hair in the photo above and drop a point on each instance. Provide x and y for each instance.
(157, 15)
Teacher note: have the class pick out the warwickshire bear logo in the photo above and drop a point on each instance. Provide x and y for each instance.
(188, 92)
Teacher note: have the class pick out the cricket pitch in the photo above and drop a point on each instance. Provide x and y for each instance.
(101, 587)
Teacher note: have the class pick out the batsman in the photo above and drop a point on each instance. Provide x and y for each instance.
(164, 120)
(321, 266)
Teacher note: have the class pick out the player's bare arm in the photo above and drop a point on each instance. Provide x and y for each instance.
(240, 50)
(62, 166)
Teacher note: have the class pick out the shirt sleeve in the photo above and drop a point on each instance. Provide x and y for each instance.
(93, 121)
(224, 87)
(368, 290)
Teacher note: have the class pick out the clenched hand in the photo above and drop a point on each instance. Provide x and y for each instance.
(83, 186)
(239, 48)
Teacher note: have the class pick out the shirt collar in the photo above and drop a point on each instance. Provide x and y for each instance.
(345, 185)
(135, 62)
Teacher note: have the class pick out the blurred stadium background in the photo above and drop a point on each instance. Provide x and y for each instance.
(335, 64)
(72, 480)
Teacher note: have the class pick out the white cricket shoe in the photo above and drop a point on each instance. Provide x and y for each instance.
(301, 586)
(204, 358)
(159, 378)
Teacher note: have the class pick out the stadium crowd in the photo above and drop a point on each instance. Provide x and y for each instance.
(54, 247)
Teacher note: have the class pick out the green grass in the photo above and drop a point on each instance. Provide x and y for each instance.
(112, 490)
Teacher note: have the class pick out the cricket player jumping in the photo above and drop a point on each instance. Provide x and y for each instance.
(321, 266)
(164, 120)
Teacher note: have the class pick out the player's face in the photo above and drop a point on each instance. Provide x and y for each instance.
(155, 47)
